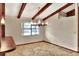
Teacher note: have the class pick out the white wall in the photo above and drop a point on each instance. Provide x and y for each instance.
(13, 28)
(62, 31)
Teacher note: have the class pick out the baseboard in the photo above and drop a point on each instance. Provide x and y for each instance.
(29, 43)
(49, 43)
(61, 46)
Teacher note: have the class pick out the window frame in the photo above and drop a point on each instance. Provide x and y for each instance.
(30, 29)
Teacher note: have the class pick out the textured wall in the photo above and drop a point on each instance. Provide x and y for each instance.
(62, 31)
(13, 28)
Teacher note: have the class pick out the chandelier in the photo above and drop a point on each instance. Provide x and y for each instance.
(42, 23)
(39, 23)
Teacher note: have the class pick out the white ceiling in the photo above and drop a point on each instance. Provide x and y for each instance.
(51, 9)
(69, 8)
(12, 9)
(31, 9)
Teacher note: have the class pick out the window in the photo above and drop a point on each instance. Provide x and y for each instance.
(29, 29)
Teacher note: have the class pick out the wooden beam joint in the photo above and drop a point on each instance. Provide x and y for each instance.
(21, 10)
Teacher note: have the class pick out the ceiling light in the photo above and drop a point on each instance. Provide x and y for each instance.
(2, 21)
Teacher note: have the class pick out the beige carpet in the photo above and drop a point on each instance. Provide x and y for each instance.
(41, 49)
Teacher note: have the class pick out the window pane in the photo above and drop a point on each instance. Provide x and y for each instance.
(34, 30)
(37, 26)
(27, 25)
(33, 33)
(33, 26)
(37, 32)
(27, 34)
(29, 29)
(26, 29)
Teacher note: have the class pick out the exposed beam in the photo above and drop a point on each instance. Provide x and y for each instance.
(21, 10)
(62, 8)
(41, 10)
(71, 13)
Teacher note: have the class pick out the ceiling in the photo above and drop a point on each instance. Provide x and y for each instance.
(31, 9)
(12, 9)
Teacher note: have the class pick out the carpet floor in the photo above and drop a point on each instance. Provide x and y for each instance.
(41, 49)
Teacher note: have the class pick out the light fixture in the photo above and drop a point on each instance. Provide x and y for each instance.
(6, 43)
(42, 23)
(3, 27)
(2, 21)
(39, 22)
(46, 22)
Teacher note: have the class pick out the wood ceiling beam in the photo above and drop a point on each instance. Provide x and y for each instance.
(62, 8)
(71, 13)
(41, 10)
(21, 10)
